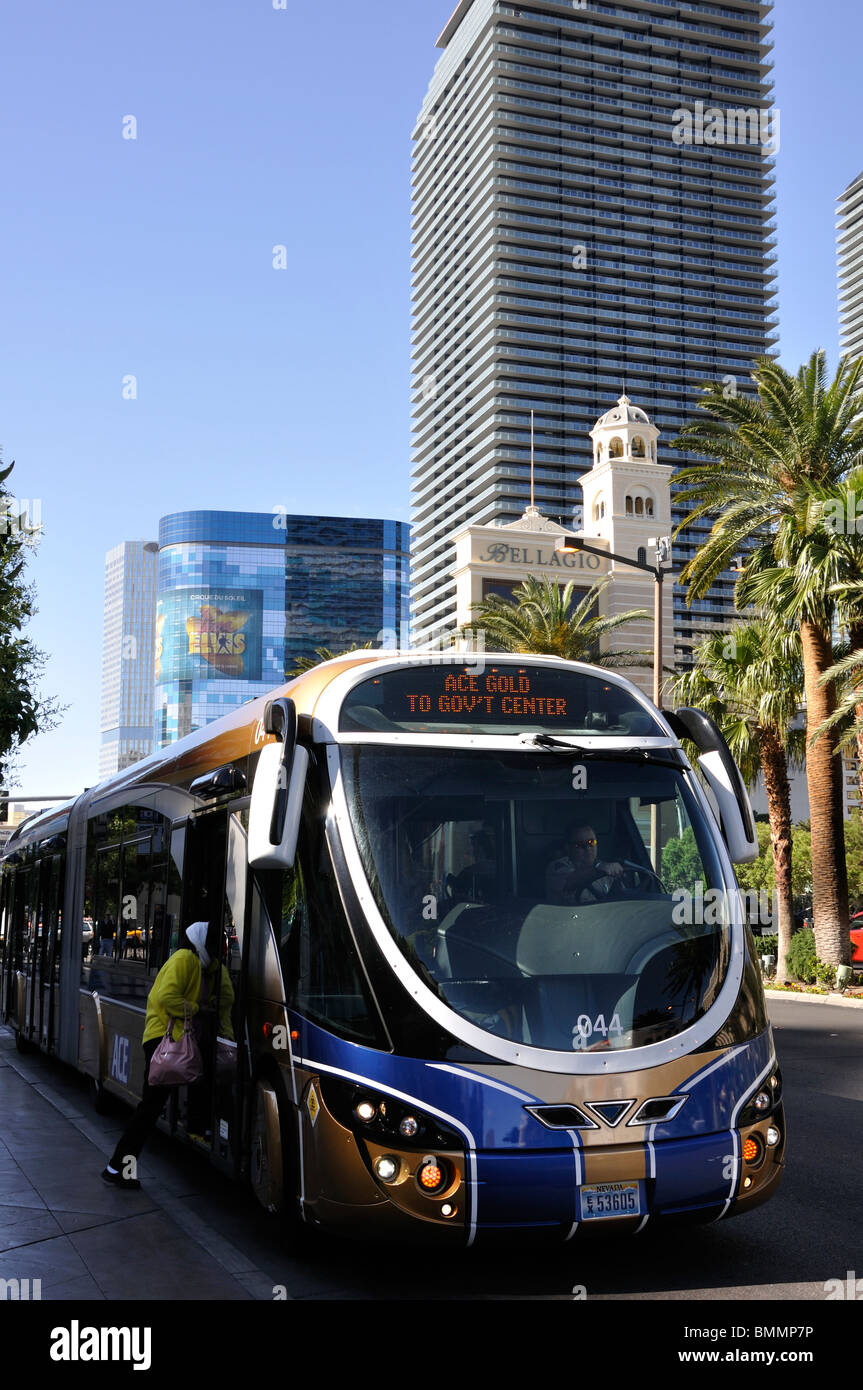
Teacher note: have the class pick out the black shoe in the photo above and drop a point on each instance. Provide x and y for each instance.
(117, 1180)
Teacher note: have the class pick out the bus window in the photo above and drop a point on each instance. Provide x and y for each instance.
(135, 909)
(588, 931)
(321, 972)
(107, 901)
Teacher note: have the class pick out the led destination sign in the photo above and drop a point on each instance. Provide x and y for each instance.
(435, 699)
(495, 696)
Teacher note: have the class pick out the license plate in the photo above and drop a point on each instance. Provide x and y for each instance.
(603, 1200)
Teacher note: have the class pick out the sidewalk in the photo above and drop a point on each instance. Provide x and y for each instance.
(849, 1001)
(60, 1224)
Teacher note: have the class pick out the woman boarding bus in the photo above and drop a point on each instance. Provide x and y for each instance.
(443, 1032)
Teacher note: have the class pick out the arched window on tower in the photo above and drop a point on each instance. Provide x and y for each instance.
(638, 451)
(615, 448)
(639, 503)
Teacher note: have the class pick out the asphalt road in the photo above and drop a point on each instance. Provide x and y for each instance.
(788, 1249)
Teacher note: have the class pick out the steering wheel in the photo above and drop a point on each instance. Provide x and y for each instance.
(638, 871)
(630, 881)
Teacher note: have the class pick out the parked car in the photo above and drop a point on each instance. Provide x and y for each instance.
(856, 934)
(87, 934)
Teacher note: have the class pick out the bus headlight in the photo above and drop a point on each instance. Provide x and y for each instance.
(764, 1101)
(388, 1167)
(773, 1137)
(388, 1122)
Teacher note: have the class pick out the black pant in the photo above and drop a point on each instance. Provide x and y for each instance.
(143, 1122)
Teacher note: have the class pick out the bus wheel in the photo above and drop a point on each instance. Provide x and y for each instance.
(100, 1098)
(274, 1162)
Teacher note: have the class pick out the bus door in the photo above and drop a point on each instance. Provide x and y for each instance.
(5, 943)
(39, 948)
(50, 895)
(23, 938)
(38, 953)
(214, 891)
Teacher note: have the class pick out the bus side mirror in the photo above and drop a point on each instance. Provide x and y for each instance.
(723, 778)
(277, 792)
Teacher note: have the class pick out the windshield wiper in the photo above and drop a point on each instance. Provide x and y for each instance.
(611, 755)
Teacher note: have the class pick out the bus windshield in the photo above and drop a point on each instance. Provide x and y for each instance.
(555, 904)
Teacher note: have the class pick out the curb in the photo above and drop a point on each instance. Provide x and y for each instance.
(814, 998)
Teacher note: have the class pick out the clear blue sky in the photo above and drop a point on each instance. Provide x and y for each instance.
(153, 257)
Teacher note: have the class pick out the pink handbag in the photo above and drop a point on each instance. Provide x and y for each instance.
(176, 1063)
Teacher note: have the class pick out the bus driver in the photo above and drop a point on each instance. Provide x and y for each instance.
(577, 876)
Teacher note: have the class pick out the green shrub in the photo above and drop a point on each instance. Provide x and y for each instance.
(767, 945)
(802, 959)
(826, 974)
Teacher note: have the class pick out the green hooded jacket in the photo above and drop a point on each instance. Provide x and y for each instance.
(179, 982)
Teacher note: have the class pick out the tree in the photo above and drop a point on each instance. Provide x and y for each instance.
(540, 619)
(783, 454)
(23, 712)
(750, 681)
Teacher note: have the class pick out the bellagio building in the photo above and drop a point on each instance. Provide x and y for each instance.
(592, 203)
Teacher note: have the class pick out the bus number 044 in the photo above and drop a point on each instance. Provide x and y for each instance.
(584, 1029)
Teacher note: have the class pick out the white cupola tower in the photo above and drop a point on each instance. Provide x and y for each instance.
(627, 506)
(627, 496)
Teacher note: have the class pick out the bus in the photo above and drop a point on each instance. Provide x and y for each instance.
(444, 1029)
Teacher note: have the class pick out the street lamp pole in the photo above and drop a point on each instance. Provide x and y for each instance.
(663, 554)
(657, 635)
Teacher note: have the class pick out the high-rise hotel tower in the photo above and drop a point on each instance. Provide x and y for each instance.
(592, 203)
(127, 656)
(849, 237)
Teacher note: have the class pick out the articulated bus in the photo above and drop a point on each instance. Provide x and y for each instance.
(443, 1028)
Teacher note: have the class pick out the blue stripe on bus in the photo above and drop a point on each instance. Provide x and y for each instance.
(494, 1115)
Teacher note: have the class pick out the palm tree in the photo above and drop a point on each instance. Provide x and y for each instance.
(750, 681)
(783, 453)
(539, 618)
(308, 663)
(840, 511)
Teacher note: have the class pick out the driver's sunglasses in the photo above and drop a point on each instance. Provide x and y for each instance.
(584, 844)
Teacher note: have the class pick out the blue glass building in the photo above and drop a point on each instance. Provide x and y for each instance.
(242, 596)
